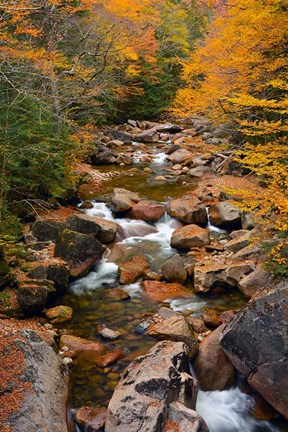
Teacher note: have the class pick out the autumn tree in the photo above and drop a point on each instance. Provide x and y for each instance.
(238, 75)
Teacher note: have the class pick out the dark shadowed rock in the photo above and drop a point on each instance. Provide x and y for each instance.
(83, 224)
(174, 270)
(103, 229)
(102, 155)
(47, 229)
(80, 251)
(56, 272)
(149, 386)
(256, 341)
(212, 367)
(33, 294)
(188, 210)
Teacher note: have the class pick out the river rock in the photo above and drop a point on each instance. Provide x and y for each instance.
(131, 271)
(176, 329)
(47, 230)
(254, 281)
(59, 314)
(174, 270)
(210, 317)
(109, 334)
(189, 236)
(248, 220)
(110, 358)
(86, 205)
(34, 383)
(123, 200)
(256, 341)
(148, 211)
(56, 272)
(83, 224)
(78, 344)
(179, 156)
(210, 276)
(33, 294)
(225, 214)
(102, 155)
(199, 171)
(212, 367)
(148, 136)
(103, 229)
(182, 419)
(91, 419)
(159, 291)
(80, 251)
(148, 388)
(188, 210)
(117, 294)
(238, 243)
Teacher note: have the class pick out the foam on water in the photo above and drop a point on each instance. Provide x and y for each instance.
(228, 411)
(159, 158)
(104, 273)
(100, 209)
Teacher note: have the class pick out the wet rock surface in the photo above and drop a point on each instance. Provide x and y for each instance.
(256, 341)
(144, 397)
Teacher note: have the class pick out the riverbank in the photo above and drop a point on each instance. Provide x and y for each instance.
(191, 250)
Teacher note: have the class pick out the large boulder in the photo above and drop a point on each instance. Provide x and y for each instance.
(54, 271)
(212, 367)
(103, 229)
(148, 211)
(103, 155)
(179, 156)
(176, 329)
(145, 397)
(225, 214)
(189, 236)
(256, 341)
(33, 294)
(253, 282)
(83, 224)
(131, 271)
(34, 382)
(174, 270)
(159, 291)
(148, 136)
(188, 210)
(123, 200)
(80, 251)
(47, 230)
(210, 276)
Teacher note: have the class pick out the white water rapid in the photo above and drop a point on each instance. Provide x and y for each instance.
(228, 411)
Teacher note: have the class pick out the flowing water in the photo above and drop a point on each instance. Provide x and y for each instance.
(226, 411)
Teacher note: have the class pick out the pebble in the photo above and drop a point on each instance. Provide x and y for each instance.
(67, 361)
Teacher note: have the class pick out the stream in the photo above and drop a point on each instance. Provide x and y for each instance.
(226, 411)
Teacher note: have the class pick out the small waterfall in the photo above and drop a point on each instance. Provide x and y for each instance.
(213, 228)
(228, 411)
